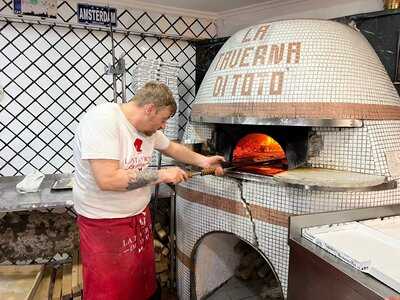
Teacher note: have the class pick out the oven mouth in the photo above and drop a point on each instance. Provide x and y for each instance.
(288, 146)
(290, 149)
(263, 148)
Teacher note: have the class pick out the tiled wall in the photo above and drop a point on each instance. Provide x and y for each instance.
(212, 204)
(196, 217)
(53, 73)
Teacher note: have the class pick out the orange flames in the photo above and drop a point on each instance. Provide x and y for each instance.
(261, 147)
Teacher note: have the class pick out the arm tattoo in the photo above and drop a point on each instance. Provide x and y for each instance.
(143, 178)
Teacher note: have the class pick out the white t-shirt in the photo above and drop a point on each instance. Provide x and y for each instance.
(105, 133)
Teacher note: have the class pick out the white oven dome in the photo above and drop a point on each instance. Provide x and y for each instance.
(310, 69)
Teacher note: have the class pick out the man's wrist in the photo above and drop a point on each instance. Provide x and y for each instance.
(202, 161)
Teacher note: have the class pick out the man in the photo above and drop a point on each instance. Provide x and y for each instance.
(113, 146)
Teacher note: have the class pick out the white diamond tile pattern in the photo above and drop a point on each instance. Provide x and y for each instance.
(52, 75)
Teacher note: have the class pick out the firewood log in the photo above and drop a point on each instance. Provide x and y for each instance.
(271, 293)
(250, 259)
(263, 271)
(157, 257)
(243, 272)
(165, 251)
(162, 234)
(162, 265)
(241, 248)
(164, 277)
(158, 245)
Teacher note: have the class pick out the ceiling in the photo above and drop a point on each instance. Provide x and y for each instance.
(233, 15)
(212, 6)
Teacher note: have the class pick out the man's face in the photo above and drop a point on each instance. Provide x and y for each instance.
(155, 119)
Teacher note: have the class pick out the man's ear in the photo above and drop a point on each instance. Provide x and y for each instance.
(149, 108)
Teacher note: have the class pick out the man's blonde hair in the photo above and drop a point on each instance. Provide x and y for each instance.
(156, 93)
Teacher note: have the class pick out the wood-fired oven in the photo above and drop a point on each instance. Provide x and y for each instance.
(313, 97)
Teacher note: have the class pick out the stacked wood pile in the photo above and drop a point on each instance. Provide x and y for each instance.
(42, 282)
(163, 244)
(253, 267)
(162, 255)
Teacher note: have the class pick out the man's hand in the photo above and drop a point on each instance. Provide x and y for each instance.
(172, 175)
(213, 162)
(183, 154)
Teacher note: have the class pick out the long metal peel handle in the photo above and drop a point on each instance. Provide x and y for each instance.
(204, 172)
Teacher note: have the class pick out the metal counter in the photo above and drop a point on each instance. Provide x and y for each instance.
(306, 257)
(11, 200)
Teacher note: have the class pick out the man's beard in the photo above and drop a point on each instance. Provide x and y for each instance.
(148, 132)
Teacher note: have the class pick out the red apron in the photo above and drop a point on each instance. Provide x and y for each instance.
(117, 257)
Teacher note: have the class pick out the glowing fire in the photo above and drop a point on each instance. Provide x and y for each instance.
(260, 146)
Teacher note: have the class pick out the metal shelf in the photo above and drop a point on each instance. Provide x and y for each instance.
(301, 122)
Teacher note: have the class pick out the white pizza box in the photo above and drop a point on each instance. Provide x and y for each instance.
(366, 248)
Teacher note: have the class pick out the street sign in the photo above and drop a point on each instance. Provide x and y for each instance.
(98, 15)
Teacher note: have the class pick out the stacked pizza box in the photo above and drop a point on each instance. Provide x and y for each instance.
(166, 72)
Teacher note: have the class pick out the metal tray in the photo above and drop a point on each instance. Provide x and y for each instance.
(62, 184)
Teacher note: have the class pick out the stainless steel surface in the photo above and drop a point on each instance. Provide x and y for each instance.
(297, 223)
(281, 121)
(11, 200)
(62, 184)
(380, 187)
(271, 181)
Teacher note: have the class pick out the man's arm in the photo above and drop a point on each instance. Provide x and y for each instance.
(187, 156)
(110, 177)
(183, 154)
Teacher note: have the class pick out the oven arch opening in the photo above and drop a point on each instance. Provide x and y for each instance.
(224, 264)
